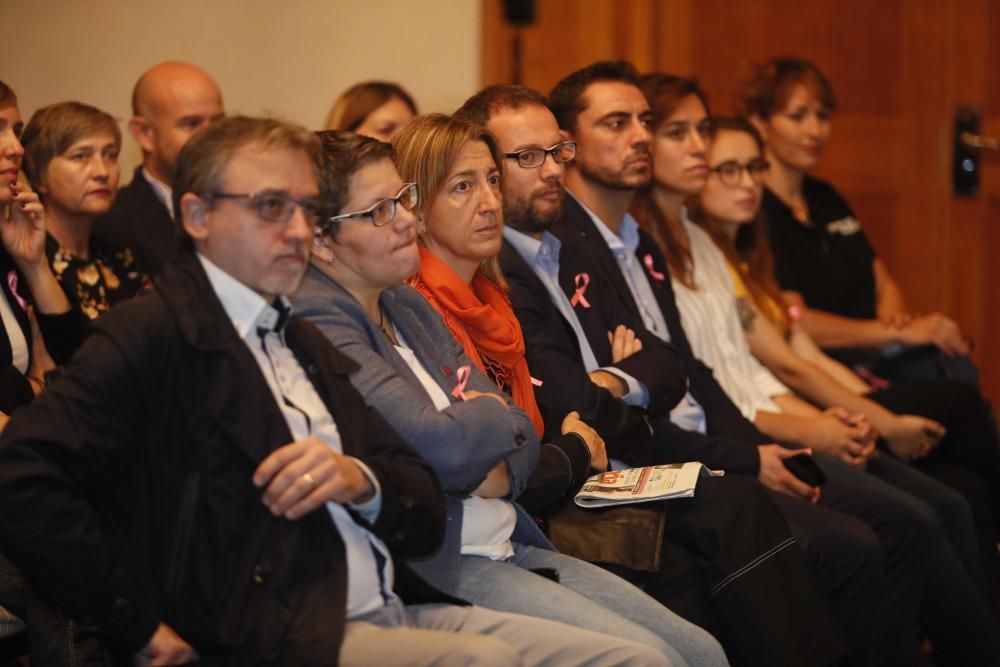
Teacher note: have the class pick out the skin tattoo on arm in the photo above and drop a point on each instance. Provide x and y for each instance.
(746, 312)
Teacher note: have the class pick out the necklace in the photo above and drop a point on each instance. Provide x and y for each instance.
(391, 335)
(799, 208)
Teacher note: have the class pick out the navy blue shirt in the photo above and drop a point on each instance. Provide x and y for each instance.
(828, 259)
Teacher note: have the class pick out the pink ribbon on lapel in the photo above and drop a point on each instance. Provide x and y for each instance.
(581, 281)
(462, 374)
(648, 261)
(12, 284)
(536, 382)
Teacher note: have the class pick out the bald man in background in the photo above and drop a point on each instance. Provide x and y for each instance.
(171, 101)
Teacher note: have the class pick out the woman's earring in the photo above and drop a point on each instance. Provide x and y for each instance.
(321, 251)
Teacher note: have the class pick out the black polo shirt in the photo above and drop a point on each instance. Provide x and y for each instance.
(829, 259)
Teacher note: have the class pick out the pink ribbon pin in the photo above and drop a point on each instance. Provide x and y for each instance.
(648, 261)
(12, 284)
(581, 281)
(875, 382)
(462, 374)
(536, 382)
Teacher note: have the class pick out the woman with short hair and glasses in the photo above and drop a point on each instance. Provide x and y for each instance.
(482, 445)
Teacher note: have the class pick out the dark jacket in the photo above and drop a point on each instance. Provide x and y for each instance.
(126, 493)
(15, 390)
(463, 442)
(554, 356)
(727, 444)
(138, 220)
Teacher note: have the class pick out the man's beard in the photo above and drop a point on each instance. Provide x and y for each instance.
(616, 180)
(522, 216)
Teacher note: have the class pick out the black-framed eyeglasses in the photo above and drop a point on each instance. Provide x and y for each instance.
(275, 205)
(731, 172)
(529, 158)
(381, 212)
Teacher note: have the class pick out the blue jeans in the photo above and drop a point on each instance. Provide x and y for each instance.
(588, 597)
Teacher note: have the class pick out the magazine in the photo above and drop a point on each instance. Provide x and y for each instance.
(639, 485)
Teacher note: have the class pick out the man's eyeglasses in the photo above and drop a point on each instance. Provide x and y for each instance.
(381, 212)
(529, 158)
(731, 172)
(275, 206)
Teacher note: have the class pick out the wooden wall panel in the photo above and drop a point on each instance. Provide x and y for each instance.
(852, 41)
(566, 35)
(988, 342)
(877, 214)
(992, 22)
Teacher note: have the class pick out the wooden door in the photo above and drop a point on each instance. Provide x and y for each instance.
(899, 68)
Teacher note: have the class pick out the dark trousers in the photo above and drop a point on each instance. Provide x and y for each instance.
(848, 560)
(731, 565)
(944, 601)
(967, 459)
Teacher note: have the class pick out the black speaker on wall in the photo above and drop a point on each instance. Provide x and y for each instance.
(519, 12)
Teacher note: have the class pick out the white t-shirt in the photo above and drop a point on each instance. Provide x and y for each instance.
(18, 343)
(487, 523)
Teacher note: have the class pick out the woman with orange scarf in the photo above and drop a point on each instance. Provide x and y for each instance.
(456, 164)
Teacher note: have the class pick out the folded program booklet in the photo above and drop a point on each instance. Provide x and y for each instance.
(639, 485)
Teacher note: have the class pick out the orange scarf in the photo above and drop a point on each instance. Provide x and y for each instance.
(481, 318)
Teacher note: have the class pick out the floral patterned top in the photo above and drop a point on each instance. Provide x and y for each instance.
(105, 278)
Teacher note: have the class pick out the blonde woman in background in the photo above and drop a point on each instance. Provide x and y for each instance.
(374, 109)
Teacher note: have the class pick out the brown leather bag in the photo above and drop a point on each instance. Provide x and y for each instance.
(627, 535)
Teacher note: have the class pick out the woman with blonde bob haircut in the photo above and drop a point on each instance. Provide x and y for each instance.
(456, 165)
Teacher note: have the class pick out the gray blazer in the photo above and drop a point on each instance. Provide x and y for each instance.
(462, 442)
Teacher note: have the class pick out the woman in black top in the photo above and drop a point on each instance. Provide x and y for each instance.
(823, 260)
(71, 159)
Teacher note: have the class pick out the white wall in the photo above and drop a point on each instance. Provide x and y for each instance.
(289, 58)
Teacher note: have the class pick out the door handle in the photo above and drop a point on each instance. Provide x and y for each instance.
(973, 140)
(966, 146)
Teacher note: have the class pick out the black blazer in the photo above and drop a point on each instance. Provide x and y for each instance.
(138, 220)
(554, 357)
(657, 365)
(126, 493)
(15, 390)
(729, 433)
